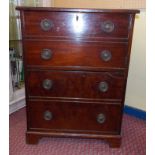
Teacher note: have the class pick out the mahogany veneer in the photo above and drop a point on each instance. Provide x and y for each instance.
(71, 53)
(76, 65)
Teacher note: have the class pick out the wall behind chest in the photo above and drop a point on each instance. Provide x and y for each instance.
(109, 4)
(136, 86)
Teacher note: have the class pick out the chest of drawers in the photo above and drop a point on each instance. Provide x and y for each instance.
(76, 66)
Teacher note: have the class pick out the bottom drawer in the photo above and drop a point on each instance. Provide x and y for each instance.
(74, 117)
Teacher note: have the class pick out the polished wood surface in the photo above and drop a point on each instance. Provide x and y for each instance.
(76, 84)
(76, 66)
(72, 24)
(74, 117)
(74, 54)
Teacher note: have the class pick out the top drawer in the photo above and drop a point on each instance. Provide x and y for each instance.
(75, 24)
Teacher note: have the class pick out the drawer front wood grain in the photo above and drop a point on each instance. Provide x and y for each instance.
(71, 117)
(76, 84)
(75, 54)
(75, 24)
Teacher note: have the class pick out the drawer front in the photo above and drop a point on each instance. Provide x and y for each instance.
(76, 84)
(74, 24)
(75, 54)
(80, 117)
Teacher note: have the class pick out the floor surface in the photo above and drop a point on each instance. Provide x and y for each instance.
(133, 140)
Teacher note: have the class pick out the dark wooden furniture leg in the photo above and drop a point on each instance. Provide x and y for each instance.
(32, 138)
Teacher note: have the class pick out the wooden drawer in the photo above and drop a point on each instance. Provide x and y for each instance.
(71, 54)
(75, 24)
(76, 84)
(80, 117)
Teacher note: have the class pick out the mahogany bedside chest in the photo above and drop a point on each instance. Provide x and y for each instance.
(76, 66)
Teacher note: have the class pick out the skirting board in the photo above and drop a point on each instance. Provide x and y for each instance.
(16, 105)
(135, 112)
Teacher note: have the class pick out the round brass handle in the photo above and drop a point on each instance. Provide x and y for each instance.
(101, 118)
(47, 115)
(107, 26)
(46, 54)
(46, 24)
(103, 86)
(47, 84)
(106, 55)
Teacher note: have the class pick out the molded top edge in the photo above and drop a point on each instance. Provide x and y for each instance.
(55, 9)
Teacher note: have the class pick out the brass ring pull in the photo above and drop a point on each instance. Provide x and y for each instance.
(47, 84)
(106, 55)
(107, 26)
(47, 115)
(46, 54)
(46, 24)
(103, 86)
(101, 118)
